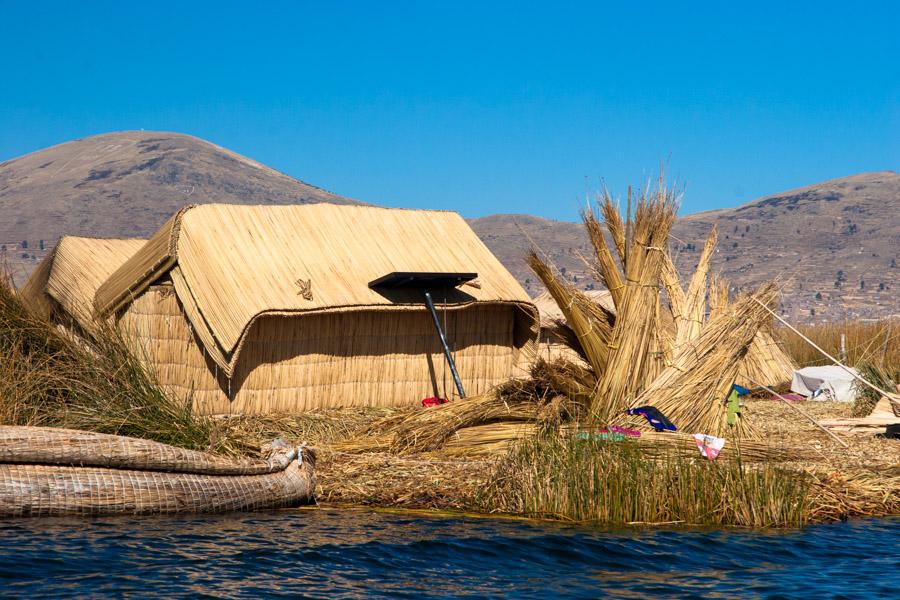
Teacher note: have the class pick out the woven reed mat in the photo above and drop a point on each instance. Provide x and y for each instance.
(74, 448)
(117, 482)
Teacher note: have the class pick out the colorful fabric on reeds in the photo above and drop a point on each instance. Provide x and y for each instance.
(624, 431)
(602, 435)
(613, 433)
(433, 401)
(733, 404)
(656, 419)
(791, 397)
(709, 445)
(741, 390)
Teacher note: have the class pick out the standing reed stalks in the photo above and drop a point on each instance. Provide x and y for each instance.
(49, 379)
(615, 482)
(636, 354)
(874, 342)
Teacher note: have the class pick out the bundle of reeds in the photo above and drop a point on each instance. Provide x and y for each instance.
(604, 265)
(692, 390)
(590, 322)
(428, 429)
(495, 438)
(552, 393)
(765, 363)
(636, 354)
(689, 307)
(718, 294)
(486, 440)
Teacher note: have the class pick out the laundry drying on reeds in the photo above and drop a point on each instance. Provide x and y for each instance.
(53, 472)
(261, 309)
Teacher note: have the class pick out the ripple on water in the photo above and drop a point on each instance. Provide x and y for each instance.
(356, 553)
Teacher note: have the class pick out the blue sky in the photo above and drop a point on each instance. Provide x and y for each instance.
(480, 107)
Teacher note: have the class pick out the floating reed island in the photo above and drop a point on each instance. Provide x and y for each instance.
(546, 430)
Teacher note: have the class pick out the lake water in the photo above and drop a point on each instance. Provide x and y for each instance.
(349, 554)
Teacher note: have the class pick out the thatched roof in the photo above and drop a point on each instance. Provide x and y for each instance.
(231, 264)
(71, 274)
(549, 310)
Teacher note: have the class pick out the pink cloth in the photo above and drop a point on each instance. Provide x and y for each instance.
(791, 397)
(709, 445)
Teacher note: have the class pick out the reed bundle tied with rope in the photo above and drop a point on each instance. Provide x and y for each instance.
(766, 362)
(636, 353)
(688, 307)
(52, 472)
(692, 390)
(590, 323)
(552, 393)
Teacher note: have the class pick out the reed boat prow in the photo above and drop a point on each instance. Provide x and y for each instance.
(51, 472)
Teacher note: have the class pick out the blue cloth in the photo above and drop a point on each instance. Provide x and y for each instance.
(656, 419)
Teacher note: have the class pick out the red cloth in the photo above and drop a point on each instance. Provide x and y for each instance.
(433, 401)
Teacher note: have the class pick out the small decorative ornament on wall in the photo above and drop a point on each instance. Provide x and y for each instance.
(305, 289)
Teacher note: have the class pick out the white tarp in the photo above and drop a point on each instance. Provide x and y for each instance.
(831, 383)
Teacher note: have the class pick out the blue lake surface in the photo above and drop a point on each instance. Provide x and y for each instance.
(331, 553)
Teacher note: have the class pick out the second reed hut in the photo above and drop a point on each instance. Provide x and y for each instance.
(255, 309)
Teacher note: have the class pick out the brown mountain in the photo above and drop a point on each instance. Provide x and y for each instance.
(126, 184)
(836, 243)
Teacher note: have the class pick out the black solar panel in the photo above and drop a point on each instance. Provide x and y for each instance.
(402, 279)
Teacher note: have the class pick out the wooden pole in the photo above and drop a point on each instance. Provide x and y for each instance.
(892, 397)
(802, 412)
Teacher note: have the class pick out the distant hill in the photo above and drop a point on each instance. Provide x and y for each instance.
(836, 243)
(126, 184)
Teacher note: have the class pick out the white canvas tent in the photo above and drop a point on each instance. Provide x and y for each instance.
(828, 383)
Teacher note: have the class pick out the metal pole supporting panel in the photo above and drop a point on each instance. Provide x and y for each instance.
(440, 330)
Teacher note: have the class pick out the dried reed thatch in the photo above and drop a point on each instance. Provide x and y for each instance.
(692, 390)
(68, 277)
(68, 447)
(553, 392)
(766, 363)
(214, 300)
(590, 321)
(689, 307)
(43, 473)
(636, 354)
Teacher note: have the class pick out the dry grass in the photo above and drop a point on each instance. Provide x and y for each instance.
(876, 342)
(247, 434)
(386, 480)
(48, 379)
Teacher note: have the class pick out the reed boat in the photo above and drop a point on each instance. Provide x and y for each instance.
(51, 472)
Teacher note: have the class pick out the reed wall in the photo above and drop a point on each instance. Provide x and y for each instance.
(360, 358)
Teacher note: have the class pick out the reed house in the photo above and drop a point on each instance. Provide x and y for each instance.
(255, 309)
